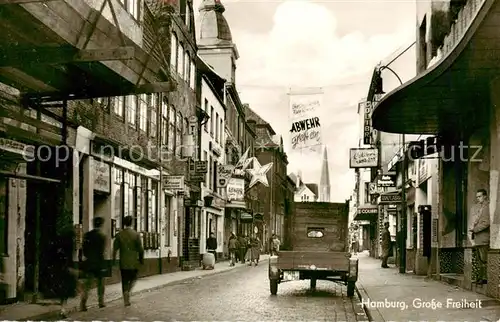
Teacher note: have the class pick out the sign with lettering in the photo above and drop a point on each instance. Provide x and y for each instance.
(235, 189)
(368, 210)
(367, 126)
(395, 198)
(17, 147)
(174, 183)
(224, 173)
(201, 166)
(102, 176)
(363, 158)
(305, 124)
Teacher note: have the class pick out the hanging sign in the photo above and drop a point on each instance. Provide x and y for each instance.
(367, 126)
(305, 123)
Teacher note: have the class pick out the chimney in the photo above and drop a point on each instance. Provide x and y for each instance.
(299, 179)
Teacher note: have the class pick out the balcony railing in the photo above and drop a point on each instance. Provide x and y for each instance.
(458, 28)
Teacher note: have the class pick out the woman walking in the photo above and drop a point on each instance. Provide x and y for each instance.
(255, 245)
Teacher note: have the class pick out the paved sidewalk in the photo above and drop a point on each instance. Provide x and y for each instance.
(49, 310)
(391, 296)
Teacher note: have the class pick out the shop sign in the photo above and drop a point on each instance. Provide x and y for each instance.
(386, 181)
(395, 198)
(363, 158)
(17, 147)
(102, 176)
(368, 211)
(174, 183)
(201, 166)
(235, 189)
(224, 173)
(367, 126)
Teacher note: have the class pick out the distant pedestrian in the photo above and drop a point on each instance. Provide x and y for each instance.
(480, 234)
(212, 245)
(233, 248)
(242, 248)
(94, 243)
(256, 246)
(275, 245)
(64, 276)
(128, 243)
(385, 245)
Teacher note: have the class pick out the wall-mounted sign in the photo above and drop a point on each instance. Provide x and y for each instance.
(224, 173)
(393, 198)
(386, 181)
(173, 183)
(102, 176)
(371, 210)
(235, 189)
(363, 158)
(28, 151)
(367, 125)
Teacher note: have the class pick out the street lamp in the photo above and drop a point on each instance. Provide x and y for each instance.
(402, 241)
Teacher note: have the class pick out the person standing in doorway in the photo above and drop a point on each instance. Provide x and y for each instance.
(386, 245)
(480, 233)
(212, 245)
(275, 245)
(128, 243)
(94, 243)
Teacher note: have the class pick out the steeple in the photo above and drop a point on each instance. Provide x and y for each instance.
(215, 42)
(324, 183)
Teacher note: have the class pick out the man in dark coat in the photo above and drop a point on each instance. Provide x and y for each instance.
(94, 243)
(128, 243)
(386, 245)
(242, 245)
(480, 233)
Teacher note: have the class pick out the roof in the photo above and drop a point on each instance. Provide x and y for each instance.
(214, 29)
(313, 187)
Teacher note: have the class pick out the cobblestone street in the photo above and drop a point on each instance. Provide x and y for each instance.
(238, 295)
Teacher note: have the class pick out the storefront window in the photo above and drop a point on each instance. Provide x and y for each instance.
(144, 205)
(152, 206)
(118, 176)
(132, 200)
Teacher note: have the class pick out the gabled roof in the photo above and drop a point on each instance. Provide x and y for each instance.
(313, 187)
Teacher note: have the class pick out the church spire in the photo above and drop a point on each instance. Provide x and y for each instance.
(324, 183)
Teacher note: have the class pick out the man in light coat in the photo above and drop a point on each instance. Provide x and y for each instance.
(128, 243)
(480, 232)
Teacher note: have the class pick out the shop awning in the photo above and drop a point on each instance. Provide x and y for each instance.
(451, 94)
(366, 212)
(236, 204)
(246, 216)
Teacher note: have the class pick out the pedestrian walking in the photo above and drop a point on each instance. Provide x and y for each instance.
(275, 245)
(480, 234)
(242, 248)
(212, 245)
(255, 249)
(64, 276)
(94, 267)
(233, 247)
(128, 244)
(385, 245)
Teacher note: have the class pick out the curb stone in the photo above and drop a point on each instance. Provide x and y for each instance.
(54, 314)
(372, 315)
(362, 313)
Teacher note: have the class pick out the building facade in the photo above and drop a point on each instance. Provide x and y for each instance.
(465, 122)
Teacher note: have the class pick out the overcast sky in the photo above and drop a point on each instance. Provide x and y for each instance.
(329, 44)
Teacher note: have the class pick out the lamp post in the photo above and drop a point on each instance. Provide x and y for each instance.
(402, 241)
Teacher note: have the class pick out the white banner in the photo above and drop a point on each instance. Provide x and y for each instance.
(305, 123)
(235, 189)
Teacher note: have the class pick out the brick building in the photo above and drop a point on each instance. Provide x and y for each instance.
(278, 198)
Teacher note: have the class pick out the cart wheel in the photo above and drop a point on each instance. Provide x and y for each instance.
(273, 285)
(313, 283)
(350, 289)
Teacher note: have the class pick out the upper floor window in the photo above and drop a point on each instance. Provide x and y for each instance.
(131, 103)
(119, 106)
(164, 123)
(187, 61)
(188, 17)
(212, 121)
(192, 76)
(180, 58)
(173, 51)
(153, 119)
(171, 128)
(206, 111)
(178, 140)
(221, 130)
(216, 127)
(133, 7)
(143, 112)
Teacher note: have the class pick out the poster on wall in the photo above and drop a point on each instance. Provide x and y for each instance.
(235, 189)
(304, 118)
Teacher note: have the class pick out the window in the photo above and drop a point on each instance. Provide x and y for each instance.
(178, 143)
(119, 106)
(188, 17)
(216, 127)
(132, 198)
(212, 121)
(143, 112)
(187, 59)
(168, 216)
(118, 182)
(152, 206)
(210, 176)
(173, 52)
(180, 61)
(131, 109)
(164, 124)
(221, 131)
(315, 232)
(133, 8)
(192, 77)
(205, 158)
(171, 129)
(206, 111)
(153, 119)
(367, 192)
(143, 218)
(214, 176)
